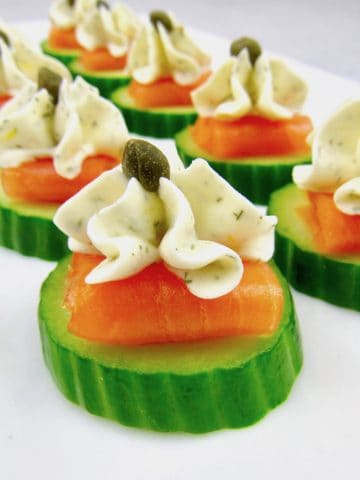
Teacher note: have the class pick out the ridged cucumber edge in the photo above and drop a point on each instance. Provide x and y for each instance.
(64, 56)
(106, 84)
(169, 402)
(152, 123)
(328, 278)
(254, 181)
(31, 236)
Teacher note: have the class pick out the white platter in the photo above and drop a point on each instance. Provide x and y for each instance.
(316, 433)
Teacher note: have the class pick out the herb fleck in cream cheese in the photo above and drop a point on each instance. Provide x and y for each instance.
(268, 88)
(113, 29)
(81, 124)
(158, 52)
(183, 224)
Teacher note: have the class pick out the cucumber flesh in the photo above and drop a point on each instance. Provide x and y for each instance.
(254, 177)
(64, 55)
(162, 122)
(28, 229)
(107, 82)
(333, 278)
(193, 387)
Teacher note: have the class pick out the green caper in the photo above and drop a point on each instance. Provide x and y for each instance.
(51, 81)
(253, 47)
(159, 16)
(5, 38)
(102, 4)
(145, 162)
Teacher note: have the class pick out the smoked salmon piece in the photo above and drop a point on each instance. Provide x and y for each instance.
(38, 181)
(101, 60)
(252, 136)
(154, 306)
(333, 230)
(163, 93)
(63, 38)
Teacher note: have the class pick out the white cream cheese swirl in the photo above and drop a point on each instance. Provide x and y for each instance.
(202, 242)
(27, 60)
(12, 79)
(269, 88)
(65, 15)
(85, 124)
(26, 127)
(113, 29)
(126, 20)
(158, 53)
(336, 159)
(81, 124)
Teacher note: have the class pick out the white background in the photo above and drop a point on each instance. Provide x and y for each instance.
(315, 434)
(325, 33)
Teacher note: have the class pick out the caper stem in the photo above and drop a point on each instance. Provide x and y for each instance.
(102, 4)
(159, 16)
(252, 46)
(5, 38)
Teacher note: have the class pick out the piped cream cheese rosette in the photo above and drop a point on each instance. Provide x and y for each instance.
(319, 214)
(78, 124)
(105, 36)
(263, 86)
(192, 220)
(86, 124)
(12, 79)
(28, 60)
(248, 124)
(26, 127)
(336, 159)
(68, 13)
(164, 49)
(126, 20)
(165, 65)
(111, 28)
(20, 64)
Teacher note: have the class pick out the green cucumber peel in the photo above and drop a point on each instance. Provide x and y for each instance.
(106, 81)
(64, 55)
(28, 228)
(335, 279)
(162, 122)
(254, 177)
(193, 387)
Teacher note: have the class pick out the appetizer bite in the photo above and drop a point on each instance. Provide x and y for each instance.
(106, 35)
(169, 315)
(318, 234)
(165, 65)
(62, 42)
(55, 137)
(249, 126)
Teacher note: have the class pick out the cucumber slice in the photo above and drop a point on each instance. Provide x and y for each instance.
(28, 229)
(64, 55)
(159, 122)
(193, 387)
(335, 279)
(254, 177)
(106, 82)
